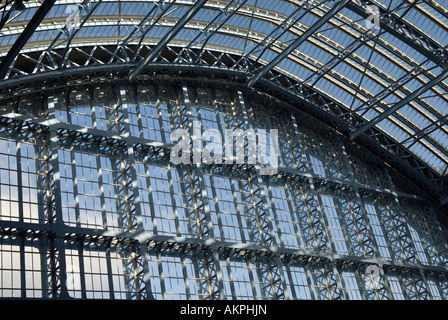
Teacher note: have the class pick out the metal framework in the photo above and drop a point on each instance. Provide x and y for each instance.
(92, 207)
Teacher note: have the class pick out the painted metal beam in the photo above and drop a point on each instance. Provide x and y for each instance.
(401, 29)
(399, 105)
(280, 30)
(167, 38)
(339, 5)
(25, 36)
(212, 28)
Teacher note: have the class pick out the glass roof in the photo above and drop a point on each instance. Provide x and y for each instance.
(367, 70)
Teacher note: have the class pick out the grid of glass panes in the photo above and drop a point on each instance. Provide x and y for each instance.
(73, 270)
(367, 175)
(418, 244)
(94, 107)
(198, 286)
(334, 227)
(79, 108)
(351, 283)
(283, 213)
(352, 220)
(95, 272)
(121, 271)
(395, 285)
(421, 233)
(33, 171)
(298, 280)
(396, 228)
(149, 113)
(108, 116)
(377, 230)
(10, 267)
(321, 154)
(234, 206)
(35, 267)
(100, 272)
(307, 214)
(319, 281)
(9, 184)
(433, 287)
(409, 283)
(155, 192)
(241, 279)
(227, 221)
(92, 186)
(268, 117)
(175, 275)
(23, 267)
(60, 100)
(166, 202)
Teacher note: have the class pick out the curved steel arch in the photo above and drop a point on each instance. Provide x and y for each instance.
(307, 100)
(334, 70)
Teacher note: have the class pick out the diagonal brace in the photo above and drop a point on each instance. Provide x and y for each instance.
(308, 33)
(24, 37)
(399, 104)
(167, 38)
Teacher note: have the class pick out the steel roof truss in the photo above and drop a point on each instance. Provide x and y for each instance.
(210, 30)
(399, 104)
(25, 36)
(398, 27)
(167, 38)
(308, 33)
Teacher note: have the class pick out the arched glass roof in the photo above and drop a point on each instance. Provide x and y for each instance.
(383, 63)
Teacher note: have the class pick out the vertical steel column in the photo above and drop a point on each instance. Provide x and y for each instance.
(407, 247)
(211, 264)
(413, 214)
(436, 245)
(271, 270)
(80, 243)
(318, 224)
(57, 246)
(360, 225)
(140, 250)
(73, 167)
(389, 220)
(305, 206)
(360, 219)
(21, 235)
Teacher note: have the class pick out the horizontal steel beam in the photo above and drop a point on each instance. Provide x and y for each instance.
(211, 244)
